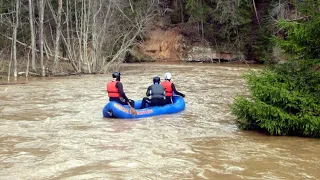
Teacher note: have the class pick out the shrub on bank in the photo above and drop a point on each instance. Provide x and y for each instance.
(285, 100)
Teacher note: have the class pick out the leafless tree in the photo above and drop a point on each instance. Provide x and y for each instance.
(41, 35)
(14, 38)
(93, 34)
(135, 26)
(56, 44)
(32, 35)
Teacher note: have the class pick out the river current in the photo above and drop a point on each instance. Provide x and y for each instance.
(52, 128)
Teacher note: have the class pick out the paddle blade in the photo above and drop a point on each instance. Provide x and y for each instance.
(133, 111)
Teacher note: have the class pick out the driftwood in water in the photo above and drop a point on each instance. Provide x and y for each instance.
(12, 83)
(48, 73)
(31, 73)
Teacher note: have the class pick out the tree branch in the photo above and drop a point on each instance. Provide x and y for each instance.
(26, 45)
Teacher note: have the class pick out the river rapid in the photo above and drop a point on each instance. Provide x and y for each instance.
(52, 128)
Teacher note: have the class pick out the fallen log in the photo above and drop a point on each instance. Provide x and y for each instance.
(31, 73)
(12, 83)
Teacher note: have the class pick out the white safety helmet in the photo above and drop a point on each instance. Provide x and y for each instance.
(167, 76)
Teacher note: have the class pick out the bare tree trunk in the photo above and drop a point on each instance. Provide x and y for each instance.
(28, 62)
(14, 39)
(71, 52)
(32, 33)
(82, 30)
(202, 19)
(99, 29)
(255, 10)
(56, 44)
(181, 11)
(41, 11)
(79, 33)
(95, 35)
(9, 68)
(86, 20)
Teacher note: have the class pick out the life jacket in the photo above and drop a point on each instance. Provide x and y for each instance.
(157, 92)
(112, 90)
(167, 87)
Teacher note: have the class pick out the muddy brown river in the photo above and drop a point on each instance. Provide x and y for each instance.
(52, 128)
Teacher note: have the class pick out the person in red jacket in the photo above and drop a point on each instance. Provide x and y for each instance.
(115, 91)
(170, 88)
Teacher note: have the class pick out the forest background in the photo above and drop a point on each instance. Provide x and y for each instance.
(40, 37)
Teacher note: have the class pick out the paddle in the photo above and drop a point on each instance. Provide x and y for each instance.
(132, 110)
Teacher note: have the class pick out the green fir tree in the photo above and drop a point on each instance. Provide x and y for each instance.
(285, 99)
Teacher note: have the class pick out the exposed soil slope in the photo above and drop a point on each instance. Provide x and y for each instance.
(163, 44)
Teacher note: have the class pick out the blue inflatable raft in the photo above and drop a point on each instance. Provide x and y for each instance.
(116, 110)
